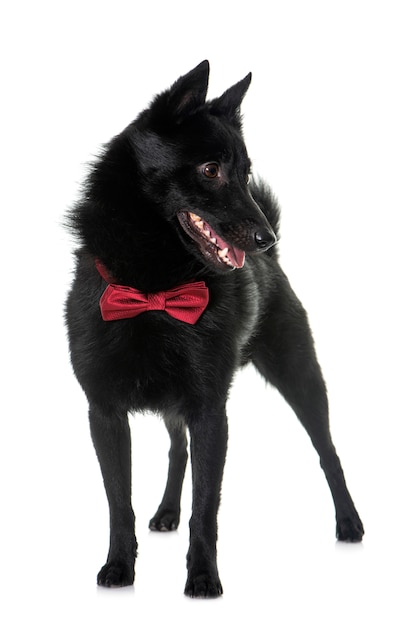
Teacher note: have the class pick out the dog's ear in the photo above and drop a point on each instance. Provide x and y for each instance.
(230, 102)
(188, 92)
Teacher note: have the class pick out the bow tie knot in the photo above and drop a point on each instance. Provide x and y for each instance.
(157, 301)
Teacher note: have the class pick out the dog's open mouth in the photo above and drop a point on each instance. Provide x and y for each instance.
(224, 255)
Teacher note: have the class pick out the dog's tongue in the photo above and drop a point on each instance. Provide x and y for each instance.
(235, 255)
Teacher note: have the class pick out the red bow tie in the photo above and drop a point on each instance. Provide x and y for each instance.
(185, 303)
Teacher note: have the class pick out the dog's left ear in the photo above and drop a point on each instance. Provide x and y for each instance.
(230, 102)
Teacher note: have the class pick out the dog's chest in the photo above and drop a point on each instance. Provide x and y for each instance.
(164, 361)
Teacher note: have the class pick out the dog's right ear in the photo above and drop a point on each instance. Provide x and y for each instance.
(188, 93)
(168, 109)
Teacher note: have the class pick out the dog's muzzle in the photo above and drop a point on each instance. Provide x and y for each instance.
(226, 251)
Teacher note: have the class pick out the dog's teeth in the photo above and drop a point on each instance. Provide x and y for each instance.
(203, 227)
(197, 220)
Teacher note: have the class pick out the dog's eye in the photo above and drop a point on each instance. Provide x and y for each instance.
(211, 170)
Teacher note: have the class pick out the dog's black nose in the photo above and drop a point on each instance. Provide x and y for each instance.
(264, 239)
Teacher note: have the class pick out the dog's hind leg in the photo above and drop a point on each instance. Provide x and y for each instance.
(284, 353)
(112, 440)
(167, 516)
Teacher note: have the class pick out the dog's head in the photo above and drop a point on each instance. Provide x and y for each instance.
(192, 159)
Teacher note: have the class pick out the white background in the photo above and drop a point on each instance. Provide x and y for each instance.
(331, 123)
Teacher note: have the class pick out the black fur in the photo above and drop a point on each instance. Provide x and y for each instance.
(185, 155)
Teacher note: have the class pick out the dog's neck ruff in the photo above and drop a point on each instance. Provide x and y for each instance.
(185, 303)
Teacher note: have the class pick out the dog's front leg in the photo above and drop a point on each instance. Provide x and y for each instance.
(208, 443)
(112, 440)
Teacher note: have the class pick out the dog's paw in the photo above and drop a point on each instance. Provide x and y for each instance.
(164, 520)
(203, 586)
(116, 574)
(350, 529)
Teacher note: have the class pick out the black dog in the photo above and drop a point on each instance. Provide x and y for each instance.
(171, 294)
